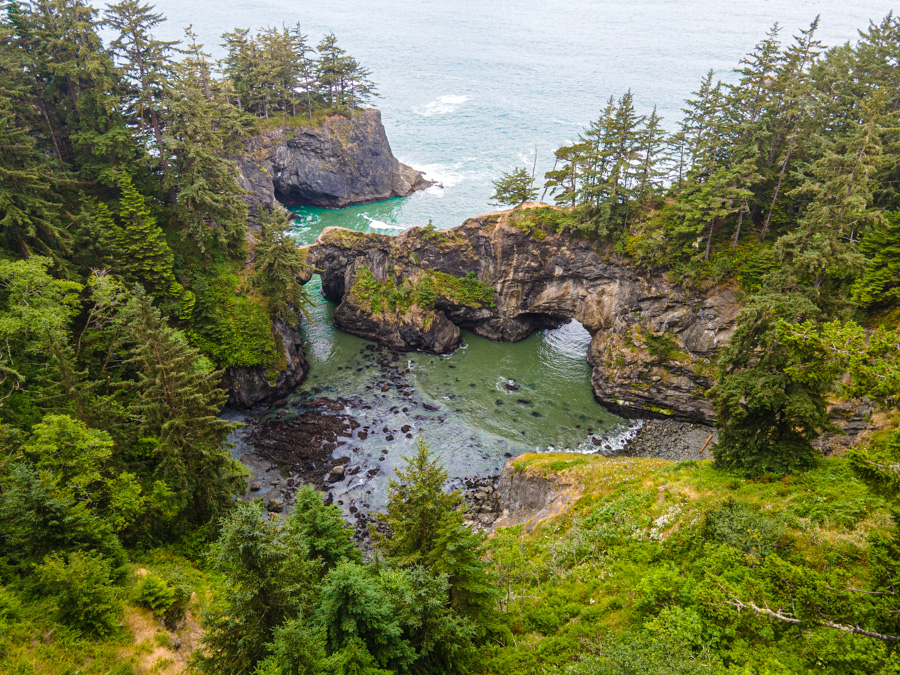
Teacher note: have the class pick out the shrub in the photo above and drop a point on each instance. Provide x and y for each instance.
(744, 529)
(82, 587)
(154, 593)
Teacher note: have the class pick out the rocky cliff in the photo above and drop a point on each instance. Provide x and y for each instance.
(249, 386)
(505, 275)
(344, 161)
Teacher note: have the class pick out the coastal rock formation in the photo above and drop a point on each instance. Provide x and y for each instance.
(505, 275)
(344, 161)
(248, 386)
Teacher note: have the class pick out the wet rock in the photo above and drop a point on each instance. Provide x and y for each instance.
(250, 385)
(337, 474)
(254, 487)
(275, 506)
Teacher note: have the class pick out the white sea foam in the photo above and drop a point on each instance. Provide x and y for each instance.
(381, 225)
(611, 445)
(443, 105)
(447, 176)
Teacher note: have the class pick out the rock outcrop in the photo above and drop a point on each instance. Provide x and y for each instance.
(248, 386)
(504, 276)
(345, 161)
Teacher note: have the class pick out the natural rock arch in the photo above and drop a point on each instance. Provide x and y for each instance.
(652, 346)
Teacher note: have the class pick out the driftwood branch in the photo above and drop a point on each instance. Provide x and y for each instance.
(787, 618)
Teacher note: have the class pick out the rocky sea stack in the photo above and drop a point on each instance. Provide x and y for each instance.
(505, 275)
(345, 160)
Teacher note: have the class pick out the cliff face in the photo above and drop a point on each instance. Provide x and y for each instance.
(653, 342)
(252, 385)
(344, 161)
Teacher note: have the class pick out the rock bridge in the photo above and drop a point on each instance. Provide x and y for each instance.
(503, 277)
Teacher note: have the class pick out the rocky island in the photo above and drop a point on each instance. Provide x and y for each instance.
(343, 161)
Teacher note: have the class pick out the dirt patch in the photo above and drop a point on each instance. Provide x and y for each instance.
(156, 649)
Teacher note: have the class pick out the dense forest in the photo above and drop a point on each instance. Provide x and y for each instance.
(131, 275)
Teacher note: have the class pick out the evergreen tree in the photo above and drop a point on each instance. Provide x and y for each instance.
(767, 415)
(146, 64)
(332, 69)
(178, 404)
(278, 266)
(29, 206)
(514, 188)
(879, 284)
(202, 134)
(320, 531)
(265, 588)
(146, 257)
(357, 612)
(792, 93)
(306, 68)
(427, 528)
(821, 253)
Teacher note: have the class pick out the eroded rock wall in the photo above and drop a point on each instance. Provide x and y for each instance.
(345, 161)
(653, 342)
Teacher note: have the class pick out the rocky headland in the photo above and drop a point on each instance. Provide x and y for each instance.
(343, 161)
(506, 275)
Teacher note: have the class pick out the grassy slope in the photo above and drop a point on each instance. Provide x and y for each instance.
(32, 642)
(634, 542)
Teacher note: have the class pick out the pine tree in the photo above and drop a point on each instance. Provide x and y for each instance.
(306, 68)
(793, 97)
(29, 206)
(767, 415)
(332, 69)
(879, 284)
(822, 254)
(76, 87)
(320, 531)
(178, 403)
(264, 588)
(201, 134)
(427, 528)
(145, 63)
(514, 188)
(278, 266)
(147, 257)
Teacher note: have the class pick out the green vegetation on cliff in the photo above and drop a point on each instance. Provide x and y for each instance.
(386, 295)
(660, 567)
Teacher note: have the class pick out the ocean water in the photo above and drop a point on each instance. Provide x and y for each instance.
(470, 89)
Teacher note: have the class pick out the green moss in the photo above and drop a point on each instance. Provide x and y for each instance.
(664, 347)
(382, 296)
(386, 295)
(467, 290)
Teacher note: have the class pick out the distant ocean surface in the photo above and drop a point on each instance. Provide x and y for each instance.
(472, 88)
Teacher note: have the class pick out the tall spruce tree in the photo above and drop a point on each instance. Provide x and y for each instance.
(146, 64)
(146, 257)
(178, 403)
